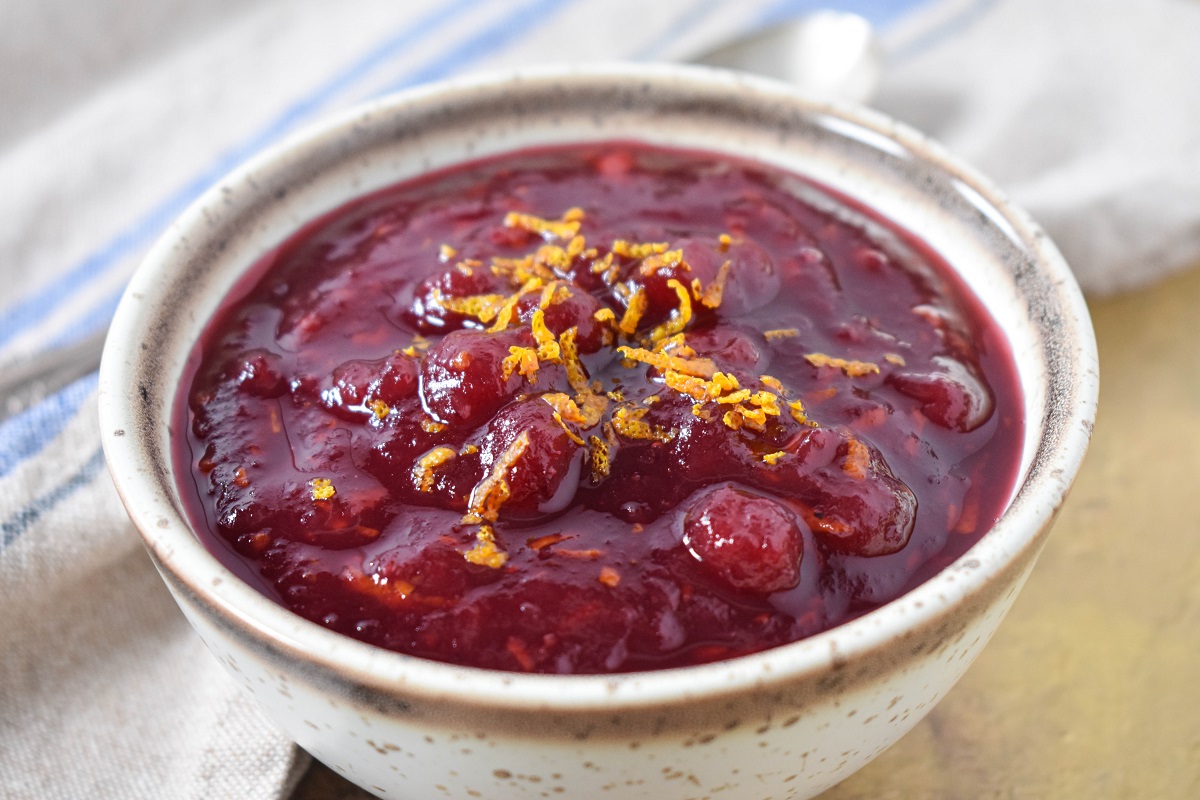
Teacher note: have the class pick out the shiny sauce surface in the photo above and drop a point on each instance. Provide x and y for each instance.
(596, 409)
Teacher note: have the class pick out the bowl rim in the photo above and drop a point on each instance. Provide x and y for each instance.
(190, 568)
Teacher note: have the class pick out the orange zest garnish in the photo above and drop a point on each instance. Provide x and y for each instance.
(492, 492)
(696, 367)
(780, 333)
(638, 250)
(598, 458)
(609, 577)
(563, 228)
(321, 489)
(422, 472)
(542, 542)
(548, 349)
(523, 361)
(633, 312)
(796, 409)
(485, 552)
(379, 408)
(854, 369)
(680, 317)
(710, 296)
(432, 426)
(586, 414)
(628, 422)
(482, 307)
(858, 460)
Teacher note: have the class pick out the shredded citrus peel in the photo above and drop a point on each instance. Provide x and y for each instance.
(633, 312)
(423, 471)
(546, 272)
(609, 577)
(639, 250)
(482, 307)
(379, 408)
(521, 360)
(779, 334)
(493, 491)
(507, 312)
(858, 460)
(485, 552)
(853, 369)
(564, 228)
(696, 367)
(598, 458)
(548, 349)
(711, 296)
(432, 426)
(679, 318)
(321, 489)
(628, 422)
(652, 263)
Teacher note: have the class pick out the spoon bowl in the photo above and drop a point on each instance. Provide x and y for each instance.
(829, 55)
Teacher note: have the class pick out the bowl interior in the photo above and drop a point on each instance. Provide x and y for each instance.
(1002, 256)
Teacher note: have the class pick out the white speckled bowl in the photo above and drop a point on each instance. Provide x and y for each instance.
(788, 722)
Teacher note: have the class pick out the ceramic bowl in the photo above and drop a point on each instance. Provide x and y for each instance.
(787, 722)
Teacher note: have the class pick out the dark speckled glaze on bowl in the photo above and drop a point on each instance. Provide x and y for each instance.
(787, 722)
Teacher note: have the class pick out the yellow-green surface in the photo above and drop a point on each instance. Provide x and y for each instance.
(1091, 689)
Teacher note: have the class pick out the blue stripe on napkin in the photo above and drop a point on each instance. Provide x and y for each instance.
(12, 528)
(26, 434)
(27, 312)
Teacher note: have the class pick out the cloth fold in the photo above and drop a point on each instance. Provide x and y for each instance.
(1083, 110)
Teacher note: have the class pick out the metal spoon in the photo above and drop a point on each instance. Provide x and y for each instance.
(829, 54)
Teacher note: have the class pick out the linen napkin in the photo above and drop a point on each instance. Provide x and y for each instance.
(119, 112)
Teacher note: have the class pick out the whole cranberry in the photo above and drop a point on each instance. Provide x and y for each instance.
(463, 380)
(750, 542)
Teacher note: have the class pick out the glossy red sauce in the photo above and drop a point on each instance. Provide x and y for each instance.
(440, 428)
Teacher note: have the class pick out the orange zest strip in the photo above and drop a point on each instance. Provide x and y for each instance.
(482, 307)
(780, 333)
(629, 423)
(540, 543)
(485, 552)
(322, 489)
(548, 349)
(858, 460)
(710, 296)
(564, 228)
(598, 458)
(680, 317)
(696, 367)
(854, 369)
(507, 312)
(633, 312)
(523, 361)
(422, 472)
(638, 250)
(492, 492)
(609, 577)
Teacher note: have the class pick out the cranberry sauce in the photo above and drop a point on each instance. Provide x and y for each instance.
(597, 409)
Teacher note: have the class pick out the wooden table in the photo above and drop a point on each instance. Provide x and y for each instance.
(1091, 689)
